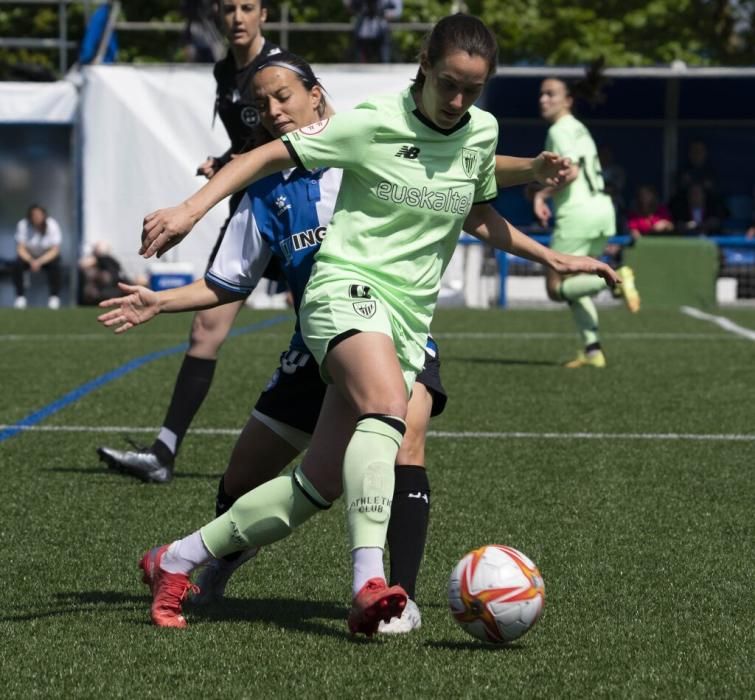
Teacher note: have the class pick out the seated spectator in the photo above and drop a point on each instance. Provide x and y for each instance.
(701, 213)
(100, 274)
(648, 216)
(697, 170)
(38, 240)
(372, 32)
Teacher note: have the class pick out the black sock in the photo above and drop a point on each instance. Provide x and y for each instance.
(592, 347)
(163, 453)
(223, 503)
(407, 528)
(192, 384)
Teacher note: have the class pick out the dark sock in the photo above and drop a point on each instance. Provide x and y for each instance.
(162, 451)
(192, 384)
(592, 347)
(407, 528)
(223, 503)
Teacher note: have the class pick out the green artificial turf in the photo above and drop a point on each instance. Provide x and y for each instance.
(643, 533)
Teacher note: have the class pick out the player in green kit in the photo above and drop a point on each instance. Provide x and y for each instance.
(417, 167)
(584, 220)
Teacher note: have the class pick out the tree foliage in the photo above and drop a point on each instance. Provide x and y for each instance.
(529, 32)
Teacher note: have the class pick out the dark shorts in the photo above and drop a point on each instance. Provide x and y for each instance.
(295, 392)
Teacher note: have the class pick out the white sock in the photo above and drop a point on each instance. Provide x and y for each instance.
(168, 438)
(183, 556)
(368, 563)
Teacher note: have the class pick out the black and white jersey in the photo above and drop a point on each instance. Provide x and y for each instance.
(234, 102)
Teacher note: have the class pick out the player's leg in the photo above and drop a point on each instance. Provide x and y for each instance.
(279, 429)
(365, 369)
(262, 516)
(576, 291)
(209, 330)
(410, 510)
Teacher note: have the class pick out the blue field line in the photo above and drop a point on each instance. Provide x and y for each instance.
(117, 373)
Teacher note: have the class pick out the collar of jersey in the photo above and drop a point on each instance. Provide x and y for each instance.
(429, 123)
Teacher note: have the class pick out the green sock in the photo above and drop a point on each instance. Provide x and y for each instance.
(586, 317)
(267, 514)
(579, 286)
(368, 476)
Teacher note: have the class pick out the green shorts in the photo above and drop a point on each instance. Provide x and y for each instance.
(335, 306)
(579, 246)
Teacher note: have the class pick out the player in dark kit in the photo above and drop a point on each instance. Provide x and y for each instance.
(242, 21)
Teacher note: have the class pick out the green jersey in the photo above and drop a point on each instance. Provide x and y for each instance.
(407, 188)
(583, 209)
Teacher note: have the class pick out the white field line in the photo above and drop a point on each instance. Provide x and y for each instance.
(471, 335)
(725, 437)
(11, 337)
(527, 335)
(720, 321)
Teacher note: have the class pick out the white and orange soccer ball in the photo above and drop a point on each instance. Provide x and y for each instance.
(496, 593)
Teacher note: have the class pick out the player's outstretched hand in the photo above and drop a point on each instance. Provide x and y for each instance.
(139, 306)
(570, 264)
(551, 169)
(164, 228)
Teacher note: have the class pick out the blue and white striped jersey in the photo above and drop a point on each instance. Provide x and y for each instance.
(284, 215)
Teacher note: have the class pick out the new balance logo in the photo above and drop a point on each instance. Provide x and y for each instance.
(410, 152)
(359, 291)
(420, 495)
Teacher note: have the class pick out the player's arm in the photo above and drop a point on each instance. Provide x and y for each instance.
(546, 168)
(141, 304)
(165, 228)
(489, 226)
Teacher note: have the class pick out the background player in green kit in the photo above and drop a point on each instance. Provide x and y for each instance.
(584, 219)
(417, 167)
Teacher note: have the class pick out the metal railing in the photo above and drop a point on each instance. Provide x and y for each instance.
(284, 27)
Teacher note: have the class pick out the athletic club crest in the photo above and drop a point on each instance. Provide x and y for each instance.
(365, 308)
(250, 116)
(469, 161)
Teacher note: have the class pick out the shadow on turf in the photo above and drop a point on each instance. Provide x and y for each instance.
(287, 613)
(475, 647)
(500, 361)
(111, 472)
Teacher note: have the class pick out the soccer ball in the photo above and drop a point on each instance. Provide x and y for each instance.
(496, 593)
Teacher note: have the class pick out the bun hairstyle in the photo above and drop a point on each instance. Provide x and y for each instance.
(590, 87)
(459, 32)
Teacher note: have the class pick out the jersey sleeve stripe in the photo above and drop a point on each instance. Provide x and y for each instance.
(292, 152)
(218, 281)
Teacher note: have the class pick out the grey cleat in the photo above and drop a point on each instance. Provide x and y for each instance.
(213, 577)
(141, 463)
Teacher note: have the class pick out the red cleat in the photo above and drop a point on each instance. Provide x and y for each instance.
(168, 590)
(375, 602)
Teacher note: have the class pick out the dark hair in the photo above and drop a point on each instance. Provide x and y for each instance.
(458, 32)
(32, 207)
(298, 66)
(590, 86)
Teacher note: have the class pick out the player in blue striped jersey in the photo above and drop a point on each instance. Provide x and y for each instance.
(284, 217)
